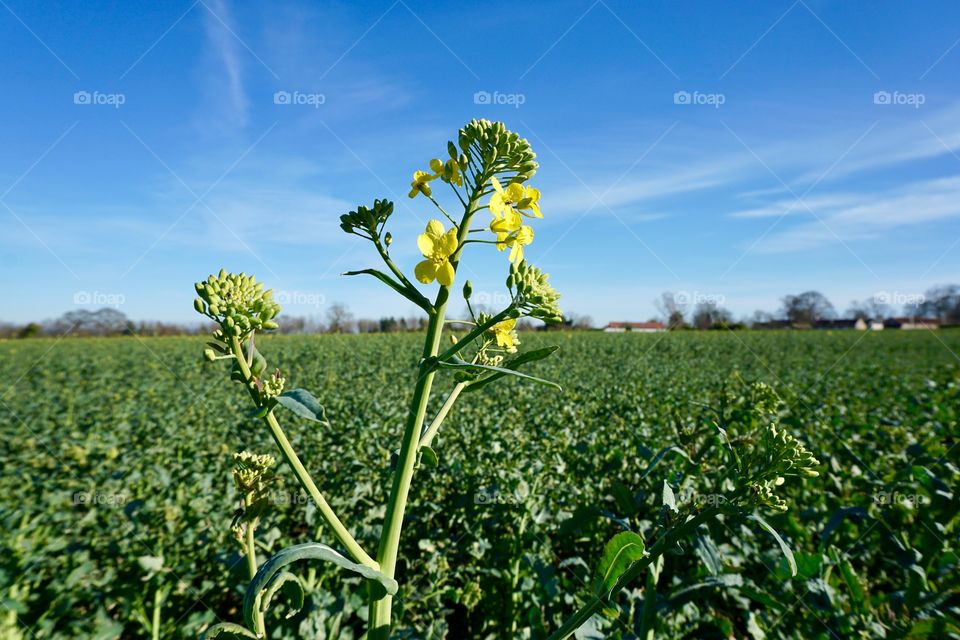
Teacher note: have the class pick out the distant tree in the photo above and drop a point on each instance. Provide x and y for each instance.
(671, 311)
(389, 325)
(941, 301)
(30, 330)
(577, 321)
(708, 314)
(339, 319)
(761, 316)
(807, 307)
(365, 325)
(869, 309)
(103, 322)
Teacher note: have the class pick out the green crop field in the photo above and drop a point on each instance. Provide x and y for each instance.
(116, 496)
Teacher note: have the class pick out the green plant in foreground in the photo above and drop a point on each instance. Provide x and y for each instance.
(487, 168)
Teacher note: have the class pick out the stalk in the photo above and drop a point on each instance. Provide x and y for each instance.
(155, 622)
(434, 427)
(303, 476)
(251, 552)
(381, 613)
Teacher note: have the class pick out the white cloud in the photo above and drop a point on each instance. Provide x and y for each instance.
(222, 75)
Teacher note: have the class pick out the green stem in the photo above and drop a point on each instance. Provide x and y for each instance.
(303, 476)
(667, 541)
(380, 617)
(431, 431)
(155, 622)
(251, 552)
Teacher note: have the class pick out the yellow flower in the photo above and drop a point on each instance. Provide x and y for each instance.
(515, 197)
(436, 246)
(421, 183)
(452, 173)
(530, 200)
(502, 200)
(505, 335)
(516, 241)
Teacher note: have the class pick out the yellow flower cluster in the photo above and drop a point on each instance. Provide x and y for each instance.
(508, 207)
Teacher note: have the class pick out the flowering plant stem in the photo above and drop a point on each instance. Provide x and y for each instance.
(381, 608)
(303, 476)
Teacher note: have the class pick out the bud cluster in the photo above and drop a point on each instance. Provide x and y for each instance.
(777, 455)
(273, 385)
(498, 149)
(532, 292)
(367, 222)
(251, 473)
(238, 303)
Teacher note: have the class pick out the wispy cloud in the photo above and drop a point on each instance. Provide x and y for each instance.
(222, 74)
(848, 217)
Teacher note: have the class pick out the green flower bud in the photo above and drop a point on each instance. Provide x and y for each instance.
(209, 354)
(467, 290)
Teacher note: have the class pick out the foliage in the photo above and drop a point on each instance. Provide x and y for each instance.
(117, 491)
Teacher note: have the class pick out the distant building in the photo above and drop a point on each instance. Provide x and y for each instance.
(772, 324)
(638, 327)
(863, 324)
(835, 324)
(912, 323)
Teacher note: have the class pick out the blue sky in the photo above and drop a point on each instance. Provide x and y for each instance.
(730, 151)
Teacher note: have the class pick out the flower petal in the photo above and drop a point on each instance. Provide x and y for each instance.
(445, 273)
(425, 271)
(436, 166)
(496, 185)
(448, 243)
(435, 229)
(426, 244)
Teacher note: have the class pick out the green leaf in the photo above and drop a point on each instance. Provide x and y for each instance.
(151, 564)
(460, 364)
(309, 551)
(522, 359)
(302, 403)
(290, 586)
(787, 552)
(669, 499)
(429, 457)
(620, 553)
(227, 631)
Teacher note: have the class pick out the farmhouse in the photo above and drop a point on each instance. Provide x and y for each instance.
(912, 323)
(639, 327)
